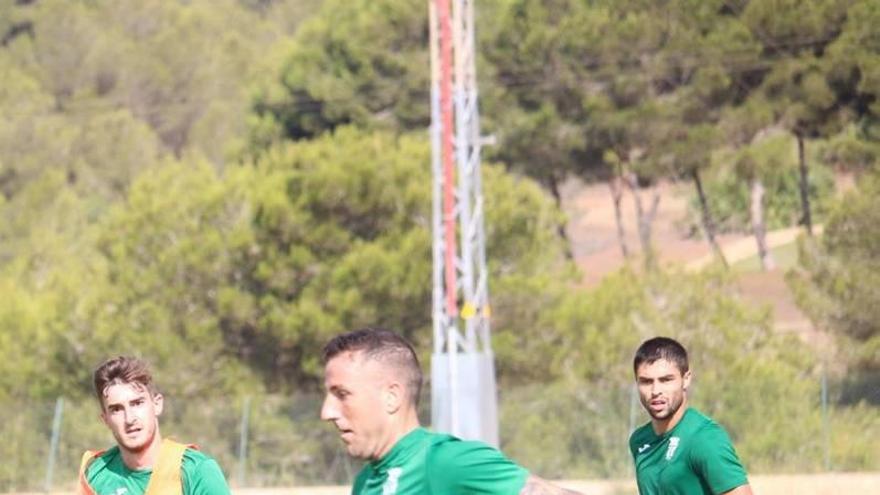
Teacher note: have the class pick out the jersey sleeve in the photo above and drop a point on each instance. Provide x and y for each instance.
(714, 459)
(472, 467)
(202, 475)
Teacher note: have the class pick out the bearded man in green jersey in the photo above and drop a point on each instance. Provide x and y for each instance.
(681, 451)
(373, 380)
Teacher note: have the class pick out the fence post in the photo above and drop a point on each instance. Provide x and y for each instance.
(633, 410)
(826, 423)
(242, 442)
(634, 407)
(53, 444)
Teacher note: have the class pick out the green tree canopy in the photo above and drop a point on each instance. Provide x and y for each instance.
(258, 266)
(361, 62)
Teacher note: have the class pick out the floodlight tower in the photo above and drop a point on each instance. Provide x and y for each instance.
(464, 397)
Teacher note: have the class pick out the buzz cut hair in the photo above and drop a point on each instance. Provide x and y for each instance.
(384, 346)
(658, 348)
(123, 370)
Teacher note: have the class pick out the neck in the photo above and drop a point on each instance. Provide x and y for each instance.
(661, 426)
(144, 458)
(408, 423)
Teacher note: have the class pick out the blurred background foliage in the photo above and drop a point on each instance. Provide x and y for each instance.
(220, 186)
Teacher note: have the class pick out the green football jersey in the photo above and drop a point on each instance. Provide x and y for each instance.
(696, 457)
(200, 475)
(431, 463)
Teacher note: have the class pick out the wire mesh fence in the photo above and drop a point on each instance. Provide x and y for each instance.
(560, 430)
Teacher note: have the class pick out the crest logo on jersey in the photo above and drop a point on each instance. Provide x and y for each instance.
(673, 444)
(390, 486)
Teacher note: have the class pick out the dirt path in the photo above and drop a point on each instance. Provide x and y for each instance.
(593, 231)
(593, 234)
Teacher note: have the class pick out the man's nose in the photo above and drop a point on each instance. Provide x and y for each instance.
(329, 411)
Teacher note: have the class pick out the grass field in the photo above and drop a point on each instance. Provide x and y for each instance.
(784, 255)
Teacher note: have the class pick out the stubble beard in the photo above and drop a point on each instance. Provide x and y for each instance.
(674, 406)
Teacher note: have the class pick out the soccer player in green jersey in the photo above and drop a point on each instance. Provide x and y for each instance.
(141, 462)
(373, 380)
(681, 451)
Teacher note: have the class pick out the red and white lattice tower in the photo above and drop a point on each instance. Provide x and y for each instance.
(463, 392)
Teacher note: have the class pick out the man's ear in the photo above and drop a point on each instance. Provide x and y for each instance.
(687, 379)
(102, 414)
(393, 397)
(158, 403)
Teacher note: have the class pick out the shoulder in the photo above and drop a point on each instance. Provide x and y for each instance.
(96, 460)
(196, 461)
(709, 442)
(696, 417)
(644, 431)
(713, 457)
(195, 457)
(640, 436)
(446, 449)
(202, 473)
(705, 428)
(693, 424)
(456, 465)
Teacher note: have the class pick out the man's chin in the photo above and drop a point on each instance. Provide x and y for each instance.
(353, 452)
(134, 446)
(661, 415)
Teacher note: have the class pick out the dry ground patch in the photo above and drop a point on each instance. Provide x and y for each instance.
(801, 484)
(805, 484)
(767, 484)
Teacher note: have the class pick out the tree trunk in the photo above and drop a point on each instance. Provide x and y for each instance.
(553, 185)
(708, 223)
(616, 185)
(644, 218)
(758, 227)
(807, 218)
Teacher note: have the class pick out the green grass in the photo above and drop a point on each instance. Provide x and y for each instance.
(785, 256)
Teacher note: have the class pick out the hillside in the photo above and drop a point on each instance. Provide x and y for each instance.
(593, 233)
